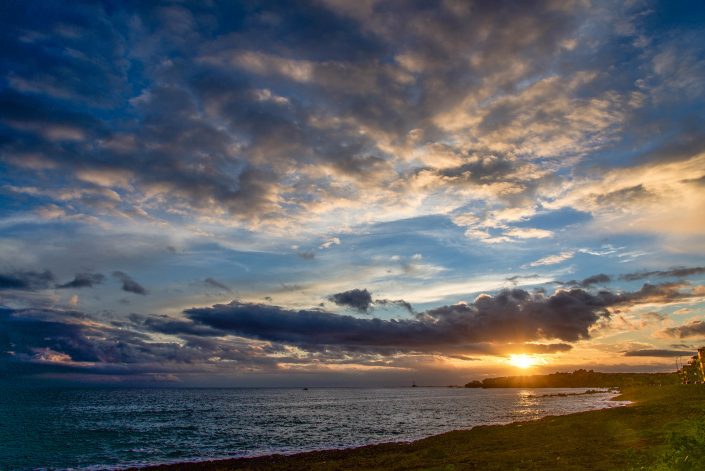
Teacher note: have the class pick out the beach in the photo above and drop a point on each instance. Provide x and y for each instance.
(663, 428)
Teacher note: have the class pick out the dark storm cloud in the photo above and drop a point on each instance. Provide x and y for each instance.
(510, 316)
(395, 302)
(36, 341)
(26, 331)
(595, 279)
(41, 340)
(658, 353)
(359, 299)
(589, 281)
(84, 280)
(168, 325)
(692, 329)
(213, 283)
(128, 284)
(678, 272)
(26, 280)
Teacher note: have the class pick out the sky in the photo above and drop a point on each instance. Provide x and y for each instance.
(336, 193)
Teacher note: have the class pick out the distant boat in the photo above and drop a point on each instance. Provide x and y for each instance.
(413, 384)
(305, 389)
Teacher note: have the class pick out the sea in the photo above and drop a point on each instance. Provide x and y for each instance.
(98, 428)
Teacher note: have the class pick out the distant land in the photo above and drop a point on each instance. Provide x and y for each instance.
(578, 379)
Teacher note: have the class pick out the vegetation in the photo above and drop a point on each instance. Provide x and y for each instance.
(589, 391)
(664, 429)
(693, 371)
(578, 379)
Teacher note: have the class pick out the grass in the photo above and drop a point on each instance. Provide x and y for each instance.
(664, 429)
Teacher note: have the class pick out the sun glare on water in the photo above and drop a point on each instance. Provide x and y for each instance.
(522, 361)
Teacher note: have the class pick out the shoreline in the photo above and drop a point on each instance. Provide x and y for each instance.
(663, 428)
(285, 460)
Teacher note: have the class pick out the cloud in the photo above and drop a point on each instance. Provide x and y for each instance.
(65, 332)
(26, 280)
(658, 353)
(589, 281)
(542, 348)
(553, 259)
(395, 302)
(662, 293)
(596, 279)
(602, 278)
(128, 284)
(57, 341)
(330, 243)
(83, 280)
(475, 169)
(634, 194)
(691, 329)
(533, 126)
(355, 298)
(514, 279)
(509, 317)
(213, 283)
(680, 272)
(528, 233)
(361, 300)
(248, 336)
(653, 197)
(259, 136)
(307, 255)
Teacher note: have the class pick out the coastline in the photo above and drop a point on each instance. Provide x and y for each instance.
(276, 458)
(637, 434)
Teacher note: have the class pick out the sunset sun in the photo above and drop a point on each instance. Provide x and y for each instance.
(522, 361)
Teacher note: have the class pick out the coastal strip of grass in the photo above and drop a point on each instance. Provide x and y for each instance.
(663, 429)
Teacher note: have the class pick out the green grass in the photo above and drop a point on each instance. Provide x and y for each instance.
(663, 430)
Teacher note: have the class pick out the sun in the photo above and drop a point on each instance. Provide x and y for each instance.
(522, 361)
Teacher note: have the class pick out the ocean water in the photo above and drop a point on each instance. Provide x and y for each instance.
(110, 428)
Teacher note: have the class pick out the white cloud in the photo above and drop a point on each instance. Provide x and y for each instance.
(330, 243)
(553, 259)
(528, 233)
